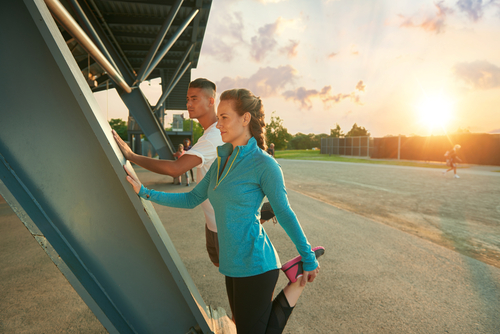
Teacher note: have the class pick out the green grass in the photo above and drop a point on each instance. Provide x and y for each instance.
(315, 155)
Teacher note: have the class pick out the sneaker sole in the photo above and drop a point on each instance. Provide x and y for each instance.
(293, 268)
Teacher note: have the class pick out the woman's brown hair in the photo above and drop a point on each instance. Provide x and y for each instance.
(245, 101)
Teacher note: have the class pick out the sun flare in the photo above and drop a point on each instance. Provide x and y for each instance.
(435, 111)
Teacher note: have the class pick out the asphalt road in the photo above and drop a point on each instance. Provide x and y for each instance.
(380, 274)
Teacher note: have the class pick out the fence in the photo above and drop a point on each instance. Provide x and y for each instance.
(355, 146)
(477, 148)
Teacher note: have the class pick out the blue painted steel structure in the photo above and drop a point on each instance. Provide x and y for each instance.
(61, 172)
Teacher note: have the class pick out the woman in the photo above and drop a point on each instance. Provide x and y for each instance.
(236, 185)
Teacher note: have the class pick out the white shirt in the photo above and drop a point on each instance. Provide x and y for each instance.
(206, 149)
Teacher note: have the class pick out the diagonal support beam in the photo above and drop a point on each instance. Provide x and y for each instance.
(135, 101)
(165, 94)
(85, 21)
(159, 39)
(171, 86)
(171, 42)
(70, 25)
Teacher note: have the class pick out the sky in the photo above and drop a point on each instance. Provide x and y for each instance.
(409, 67)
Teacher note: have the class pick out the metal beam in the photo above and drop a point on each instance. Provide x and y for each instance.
(85, 21)
(110, 244)
(171, 84)
(105, 24)
(136, 102)
(159, 39)
(171, 42)
(70, 24)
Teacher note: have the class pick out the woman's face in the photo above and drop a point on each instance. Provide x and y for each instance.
(233, 127)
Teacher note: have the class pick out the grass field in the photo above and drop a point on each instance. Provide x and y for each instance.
(315, 155)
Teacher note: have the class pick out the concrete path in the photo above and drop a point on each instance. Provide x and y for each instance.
(375, 278)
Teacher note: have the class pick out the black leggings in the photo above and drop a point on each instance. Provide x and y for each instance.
(252, 307)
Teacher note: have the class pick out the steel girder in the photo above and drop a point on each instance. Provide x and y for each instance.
(135, 101)
(61, 172)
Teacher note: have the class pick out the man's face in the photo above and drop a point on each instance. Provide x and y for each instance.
(198, 102)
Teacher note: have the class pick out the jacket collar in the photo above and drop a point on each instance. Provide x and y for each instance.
(227, 149)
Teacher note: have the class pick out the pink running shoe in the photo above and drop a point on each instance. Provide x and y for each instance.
(293, 268)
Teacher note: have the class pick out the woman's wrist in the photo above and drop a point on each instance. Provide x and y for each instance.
(144, 192)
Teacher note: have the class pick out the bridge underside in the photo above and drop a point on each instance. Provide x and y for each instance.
(120, 44)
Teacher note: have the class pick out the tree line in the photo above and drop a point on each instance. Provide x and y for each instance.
(276, 133)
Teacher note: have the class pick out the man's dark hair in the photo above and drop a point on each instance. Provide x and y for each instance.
(203, 83)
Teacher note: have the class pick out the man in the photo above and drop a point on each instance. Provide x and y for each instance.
(201, 106)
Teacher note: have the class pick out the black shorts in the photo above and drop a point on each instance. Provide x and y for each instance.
(212, 245)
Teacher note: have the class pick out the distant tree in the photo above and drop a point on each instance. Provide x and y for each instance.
(298, 141)
(276, 133)
(317, 139)
(120, 126)
(197, 129)
(337, 133)
(463, 130)
(302, 141)
(357, 131)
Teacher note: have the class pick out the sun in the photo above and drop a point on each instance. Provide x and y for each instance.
(435, 111)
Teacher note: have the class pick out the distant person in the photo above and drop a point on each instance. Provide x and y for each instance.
(452, 159)
(270, 150)
(187, 147)
(236, 185)
(201, 106)
(180, 152)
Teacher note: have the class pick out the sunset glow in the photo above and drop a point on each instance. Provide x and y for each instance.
(435, 111)
(393, 67)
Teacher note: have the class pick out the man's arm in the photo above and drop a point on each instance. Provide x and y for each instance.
(173, 168)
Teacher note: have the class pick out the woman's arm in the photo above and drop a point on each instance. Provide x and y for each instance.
(273, 185)
(179, 200)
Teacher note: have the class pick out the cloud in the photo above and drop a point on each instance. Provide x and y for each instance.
(306, 96)
(360, 86)
(291, 49)
(473, 8)
(347, 113)
(264, 42)
(480, 74)
(432, 23)
(266, 82)
(230, 38)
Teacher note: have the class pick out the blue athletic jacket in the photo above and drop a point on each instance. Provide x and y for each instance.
(236, 194)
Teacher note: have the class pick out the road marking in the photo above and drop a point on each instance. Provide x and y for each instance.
(373, 187)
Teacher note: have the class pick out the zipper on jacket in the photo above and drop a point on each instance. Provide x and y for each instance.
(218, 167)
